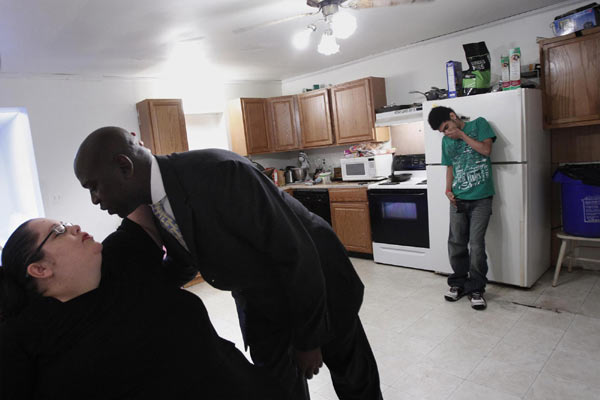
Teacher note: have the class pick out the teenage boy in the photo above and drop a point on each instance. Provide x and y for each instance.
(466, 149)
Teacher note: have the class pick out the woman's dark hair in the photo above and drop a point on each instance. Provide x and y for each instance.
(16, 287)
(439, 115)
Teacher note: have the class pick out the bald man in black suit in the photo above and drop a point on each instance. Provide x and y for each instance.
(296, 291)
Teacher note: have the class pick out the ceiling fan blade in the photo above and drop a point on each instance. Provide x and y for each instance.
(193, 39)
(380, 3)
(269, 23)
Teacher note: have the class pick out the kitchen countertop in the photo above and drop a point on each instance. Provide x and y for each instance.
(332, 185)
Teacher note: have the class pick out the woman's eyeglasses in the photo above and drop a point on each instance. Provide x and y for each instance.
(57, 230)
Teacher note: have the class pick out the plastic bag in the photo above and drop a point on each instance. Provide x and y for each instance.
(477, 78)
(588, 174)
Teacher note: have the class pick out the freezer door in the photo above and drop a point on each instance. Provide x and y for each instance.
(504, 112)
(506, 234)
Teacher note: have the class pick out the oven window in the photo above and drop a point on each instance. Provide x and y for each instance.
(399, 216)
(355, 169)
(397, 210)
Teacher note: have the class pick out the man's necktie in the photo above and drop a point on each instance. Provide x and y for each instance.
(167, 222)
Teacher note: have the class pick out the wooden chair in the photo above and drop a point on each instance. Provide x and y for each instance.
(567, 249)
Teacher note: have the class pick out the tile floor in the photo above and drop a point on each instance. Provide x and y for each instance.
(539, 343)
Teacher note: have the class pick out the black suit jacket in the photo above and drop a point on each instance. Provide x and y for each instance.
(285, 265)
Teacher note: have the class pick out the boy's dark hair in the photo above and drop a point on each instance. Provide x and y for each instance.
(439, 115)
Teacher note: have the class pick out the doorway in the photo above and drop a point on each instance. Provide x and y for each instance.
(19, 184)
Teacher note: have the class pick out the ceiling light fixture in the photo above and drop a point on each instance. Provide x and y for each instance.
(328, 45)
(302, 38)
(343, 24)
(340, 25)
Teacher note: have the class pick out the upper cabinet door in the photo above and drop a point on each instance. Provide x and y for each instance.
(353, 108)
(571, 72)
(284, 122)
(162, 125)
(315, 118)
(256, 127)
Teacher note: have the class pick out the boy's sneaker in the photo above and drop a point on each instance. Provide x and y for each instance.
(477, 301)
(454, 293)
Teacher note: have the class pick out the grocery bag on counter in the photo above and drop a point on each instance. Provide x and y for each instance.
(477, 78)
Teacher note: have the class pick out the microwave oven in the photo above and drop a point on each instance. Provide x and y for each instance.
(366, 168)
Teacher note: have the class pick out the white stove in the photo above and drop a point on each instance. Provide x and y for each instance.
(417, 180)
(399, 218)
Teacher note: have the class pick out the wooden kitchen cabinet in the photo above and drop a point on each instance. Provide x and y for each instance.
(570, 79)
(162, 125)
(353, 107)
(341, 115)
(285, 125)
(249, 126)
(350, 218)
(315, 118)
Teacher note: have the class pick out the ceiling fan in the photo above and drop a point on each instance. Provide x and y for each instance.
(361, 3)
(340, 24)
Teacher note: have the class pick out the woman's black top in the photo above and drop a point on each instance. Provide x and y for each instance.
(134, 337)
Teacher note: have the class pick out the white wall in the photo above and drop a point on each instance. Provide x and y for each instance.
(209, 129)
(235, 89)
(408, 138)
(206, 131)
(64, 110)
(420, 66)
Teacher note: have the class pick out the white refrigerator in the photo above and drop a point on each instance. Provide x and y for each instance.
(518, 236)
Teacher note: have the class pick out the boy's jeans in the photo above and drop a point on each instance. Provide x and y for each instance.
(466, 244)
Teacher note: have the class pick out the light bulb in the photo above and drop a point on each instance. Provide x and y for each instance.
(302, 38)
(343, 24)
(328, 45)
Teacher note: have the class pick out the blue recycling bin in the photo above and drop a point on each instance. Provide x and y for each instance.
(580, 192)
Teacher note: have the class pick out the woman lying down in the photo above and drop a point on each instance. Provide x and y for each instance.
(84, 320)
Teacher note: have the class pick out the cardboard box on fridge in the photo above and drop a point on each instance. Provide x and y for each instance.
(514, 67)
(576, 20)
(505, 66)
(454, 78)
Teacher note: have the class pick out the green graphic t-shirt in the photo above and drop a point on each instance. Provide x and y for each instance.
(472, 170)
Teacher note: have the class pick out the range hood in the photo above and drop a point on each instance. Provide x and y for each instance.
(397, 117)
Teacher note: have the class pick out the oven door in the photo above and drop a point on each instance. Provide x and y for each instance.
(399, 216)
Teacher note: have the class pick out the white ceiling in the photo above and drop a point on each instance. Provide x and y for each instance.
(133, 38)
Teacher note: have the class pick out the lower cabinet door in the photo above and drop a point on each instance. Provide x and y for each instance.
(351, 222)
